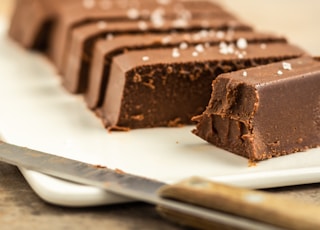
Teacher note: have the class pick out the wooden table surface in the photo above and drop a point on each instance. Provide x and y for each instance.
(20, 208)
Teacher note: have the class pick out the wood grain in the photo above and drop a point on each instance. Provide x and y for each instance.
(257, 205)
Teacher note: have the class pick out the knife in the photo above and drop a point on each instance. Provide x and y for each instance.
(194, 202)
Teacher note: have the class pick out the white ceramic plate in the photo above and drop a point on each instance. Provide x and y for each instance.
(38, 113)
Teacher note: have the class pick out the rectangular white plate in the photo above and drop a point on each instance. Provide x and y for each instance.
(38, 113)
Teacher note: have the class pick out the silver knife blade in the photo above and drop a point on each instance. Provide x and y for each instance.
(115, 181)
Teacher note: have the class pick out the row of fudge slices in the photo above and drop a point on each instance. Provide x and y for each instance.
(142, 64)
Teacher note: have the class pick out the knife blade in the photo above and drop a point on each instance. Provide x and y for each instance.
(195, 201)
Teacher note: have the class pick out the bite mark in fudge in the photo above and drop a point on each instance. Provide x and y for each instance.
(179, 11)
(270, 111)
(152, 88)
(79, 55)
(108, 48)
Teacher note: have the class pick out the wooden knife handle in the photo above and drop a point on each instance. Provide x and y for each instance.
(277, 210)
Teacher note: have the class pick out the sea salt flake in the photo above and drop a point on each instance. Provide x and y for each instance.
(145, 58)
(133, 13)
(279, 72)
(199, 48)
(244, 73)
(220, 34)
(204, 33)
(183, 45)
(286, 66)
(240, 55)
(230, 49)
(242, 43)
(101, 24)
(195, 54)
(166, 40)
(175, 53)
(142, 25)
(157, 17)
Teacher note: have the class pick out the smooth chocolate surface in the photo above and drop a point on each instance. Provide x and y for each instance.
(106, 49)
(79, 56)
(266, 111)
(167, 87)
(32, 21)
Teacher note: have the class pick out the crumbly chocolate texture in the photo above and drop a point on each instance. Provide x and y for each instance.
(266, 111)
(167, 87)
(79, 56)
(145, 10)
(106, 49)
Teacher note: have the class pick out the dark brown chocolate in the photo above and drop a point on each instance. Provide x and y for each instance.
(28, 18)
(266, 111)
(180, 11)
(167, 87)
(79, 55)
(33, 20)
(106, 49)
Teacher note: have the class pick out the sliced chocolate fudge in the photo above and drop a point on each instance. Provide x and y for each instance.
(78, 57)
(33, 20)
(180, 11)
(167, 87)
(29, 20)
(108, 48)
(266, 111)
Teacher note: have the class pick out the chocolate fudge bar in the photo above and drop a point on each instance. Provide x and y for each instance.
(29, 17)
(33, 20)
(106, 49)
(167, 87)
(266, 111)
(78, 57)
(177, 10)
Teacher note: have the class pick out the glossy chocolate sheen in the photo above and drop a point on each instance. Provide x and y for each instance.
(167, 87)
(80, 16)
(79, 55)
(106, 49)
(266, 111)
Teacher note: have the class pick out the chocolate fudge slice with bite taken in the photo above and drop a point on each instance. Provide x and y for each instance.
(167, 87)
(79, 54)
(106, 49)
(266, 111)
